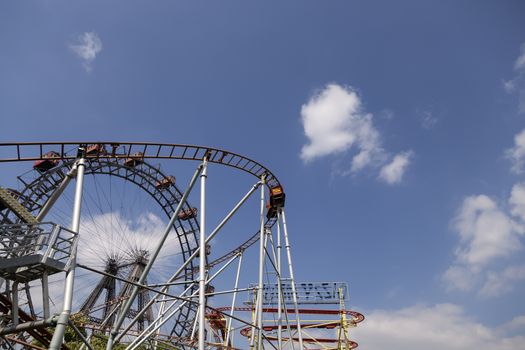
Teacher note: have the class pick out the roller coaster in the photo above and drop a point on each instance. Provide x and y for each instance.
(122, 260)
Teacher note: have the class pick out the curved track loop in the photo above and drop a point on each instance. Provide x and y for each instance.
(31, 151)
(67, 152)
(357, 317)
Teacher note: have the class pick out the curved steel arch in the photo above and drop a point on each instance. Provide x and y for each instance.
(67, 151)
(30, 151)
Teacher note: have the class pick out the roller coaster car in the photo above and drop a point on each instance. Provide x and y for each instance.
(188, 214)
(210, 289)
(96, 149)
(50, 160)
(165, 183)
(277, 197)
(14, 193)
(208, 250)
(217, 321)
(134, 160)
(272, 211)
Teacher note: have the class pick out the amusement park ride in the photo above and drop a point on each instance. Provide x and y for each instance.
(121, 260)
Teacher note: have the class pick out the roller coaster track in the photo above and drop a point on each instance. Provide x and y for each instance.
(67, 152)
(32, 151)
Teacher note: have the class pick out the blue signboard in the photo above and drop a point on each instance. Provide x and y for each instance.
(307, 293)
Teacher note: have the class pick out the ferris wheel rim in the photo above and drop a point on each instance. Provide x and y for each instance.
(147, 172)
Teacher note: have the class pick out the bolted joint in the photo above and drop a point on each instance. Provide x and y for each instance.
(81, 152)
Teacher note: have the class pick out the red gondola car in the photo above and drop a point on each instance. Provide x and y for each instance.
(277, 197)
(208, 250)
(210, 289)
(96, 149)
(134, 160)
(188, 214)
(272, 211)
(165, 183)
(50, 160)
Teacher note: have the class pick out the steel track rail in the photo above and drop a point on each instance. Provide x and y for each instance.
(31, 151)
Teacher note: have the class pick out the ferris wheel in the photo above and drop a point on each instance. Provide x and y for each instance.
(123, 258)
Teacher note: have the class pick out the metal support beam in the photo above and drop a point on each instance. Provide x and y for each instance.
(232, 309)
(194, 254)
(80, 335)
(58, 335)
(292, 279)
(45, 294)
(279, 284)
(156, 324)
(56, 194)
(259, 309)
(129, 302)
(202, 256)
(14, 306)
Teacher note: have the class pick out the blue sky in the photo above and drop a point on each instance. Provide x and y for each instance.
(426, 224)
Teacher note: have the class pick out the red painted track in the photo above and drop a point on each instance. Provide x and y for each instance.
(358, 317)
(246, 332)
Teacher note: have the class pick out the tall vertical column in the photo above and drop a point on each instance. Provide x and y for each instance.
(259, 309)
(232, 309)
(279, 286)
(58, 335)
(292, 279)
(124, 311)
(202, 255)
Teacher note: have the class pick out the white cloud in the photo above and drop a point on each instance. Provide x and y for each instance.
(501, 282)
(488, 237)
(509, 86)
(517, 201)
(393, 172)
(334, 122)
(516, 154)
(458, 277)
(387, 114)
(119, 236)
(517, 323)
(428, 120)
(111, 234)
(87, 47)
(442, 326)
(517, 84)
(485, 232)
(519, 65)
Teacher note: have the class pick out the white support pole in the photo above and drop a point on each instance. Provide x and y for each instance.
(292, 280)
(232, 309)
(159, 322)
(279, 287)
(194, 254)
(58, 335)
(194, 327)
(120, 319)
(202, 256)
(259, 309)
(45, 294)
(56, 193)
